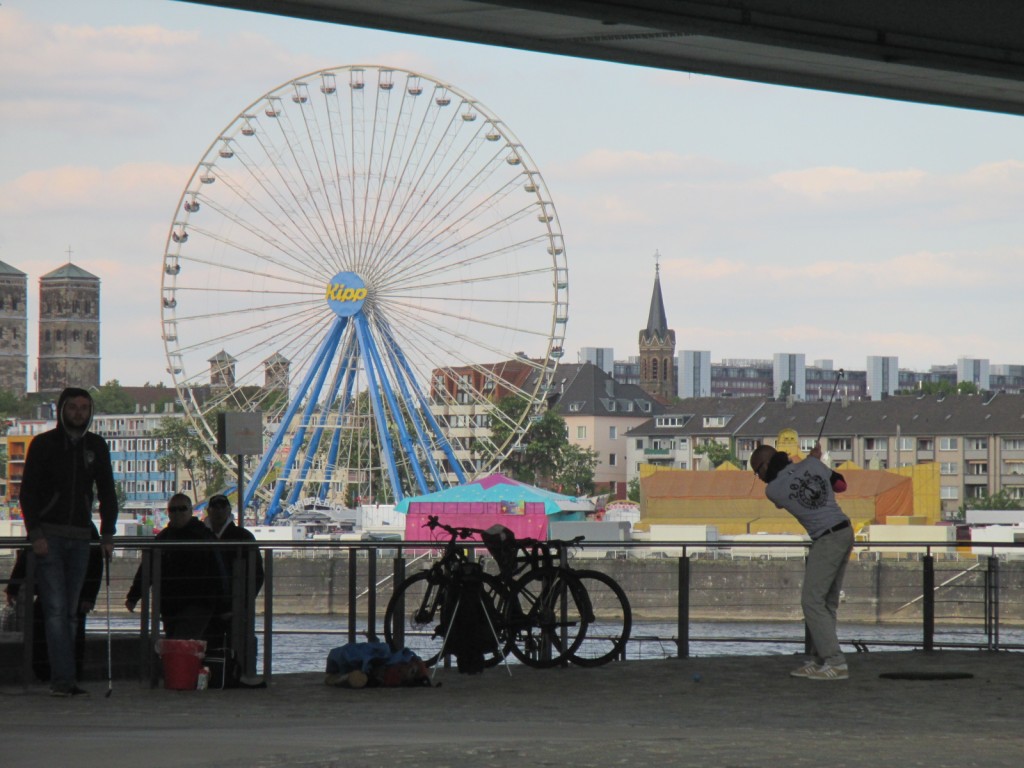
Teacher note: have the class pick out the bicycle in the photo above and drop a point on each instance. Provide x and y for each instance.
(534, 569)
(423, 607)
(539, 619)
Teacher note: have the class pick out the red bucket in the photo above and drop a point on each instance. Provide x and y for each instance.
(182, 660)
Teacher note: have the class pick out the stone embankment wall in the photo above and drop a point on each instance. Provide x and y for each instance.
(885, 589)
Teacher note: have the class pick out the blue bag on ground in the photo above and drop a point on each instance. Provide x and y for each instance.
(381, 665)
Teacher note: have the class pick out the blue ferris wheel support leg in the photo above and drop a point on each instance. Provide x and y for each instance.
(365, 346)
(312, 395)
(329, 344)
(424, 408)
(349, 366)
(314, 441)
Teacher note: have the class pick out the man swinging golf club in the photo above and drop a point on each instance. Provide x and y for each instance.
(805, 490)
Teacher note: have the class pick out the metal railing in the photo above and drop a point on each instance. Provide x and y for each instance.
(911, 584)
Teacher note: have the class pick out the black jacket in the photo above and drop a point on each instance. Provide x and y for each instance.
(232, 532)
(188, 575)
(57, 485)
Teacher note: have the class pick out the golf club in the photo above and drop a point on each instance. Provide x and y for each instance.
(839, 375)
(110, 666)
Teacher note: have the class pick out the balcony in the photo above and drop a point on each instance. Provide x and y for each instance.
(663, 452)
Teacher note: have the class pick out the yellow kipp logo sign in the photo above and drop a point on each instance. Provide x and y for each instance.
(338, 292)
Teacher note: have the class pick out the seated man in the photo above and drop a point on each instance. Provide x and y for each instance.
(218, 518)
(193, 583)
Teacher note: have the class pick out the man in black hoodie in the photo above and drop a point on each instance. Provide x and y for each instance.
(62, 468)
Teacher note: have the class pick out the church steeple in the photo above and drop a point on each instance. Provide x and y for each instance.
(658, 345)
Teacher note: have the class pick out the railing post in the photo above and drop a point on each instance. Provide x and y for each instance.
(371, 594)
(928, 602)
(26, 606)
(398, 627)
(353, 553)
(992, 603)
(683, 607)
(268, 614)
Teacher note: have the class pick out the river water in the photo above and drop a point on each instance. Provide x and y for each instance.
(301, 643)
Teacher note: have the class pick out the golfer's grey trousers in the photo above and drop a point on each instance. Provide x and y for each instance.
(823, 582)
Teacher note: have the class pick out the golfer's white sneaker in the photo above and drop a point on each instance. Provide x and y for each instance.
(805, 670)
(829, 672)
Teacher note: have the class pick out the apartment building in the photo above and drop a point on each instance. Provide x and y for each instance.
(977, 440)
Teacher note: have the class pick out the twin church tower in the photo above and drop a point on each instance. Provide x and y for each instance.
(69, 330)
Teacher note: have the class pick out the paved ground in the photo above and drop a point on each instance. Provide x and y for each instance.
(743, 711)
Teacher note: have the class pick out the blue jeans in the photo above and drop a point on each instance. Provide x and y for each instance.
(60, 576)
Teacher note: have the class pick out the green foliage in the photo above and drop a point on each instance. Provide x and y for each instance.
(545, 456)
(633, 490)
(10, 403)
(718, 454)
(1000, 500)
(111, 398)
(186, 452)
(575, 469)
(967, 388)
(786, 389)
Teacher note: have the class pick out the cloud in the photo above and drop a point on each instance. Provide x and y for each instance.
(830, 183)
(92, 190)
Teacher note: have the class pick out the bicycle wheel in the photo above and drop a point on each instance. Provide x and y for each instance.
(608, 624)
(546, 618)
(413, 616)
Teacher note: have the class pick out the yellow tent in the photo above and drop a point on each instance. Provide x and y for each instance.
(735, 503)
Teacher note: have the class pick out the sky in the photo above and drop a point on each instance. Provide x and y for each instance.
(786, 220)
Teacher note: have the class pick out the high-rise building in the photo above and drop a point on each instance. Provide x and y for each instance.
(658, 348)
(789, 367)
(695, 373)
(69, 329)
(883, 376)
(974, 371)
(13, 330)
(602, 357)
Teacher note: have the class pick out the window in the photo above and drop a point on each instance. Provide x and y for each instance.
(611, 459)
(640, 444)
(947, 444)
(581, 432)
(712, 422)
(669, 421)
(977, 468)
(949, 468)
(613, 433)
(907, 443)
(925, 444)
(949, 492)
(1013, 444)
(839, 443)
(977, 443)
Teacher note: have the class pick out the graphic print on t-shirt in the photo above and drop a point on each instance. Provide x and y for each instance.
(809, 490)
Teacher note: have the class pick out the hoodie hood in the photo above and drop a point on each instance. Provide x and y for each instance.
(67, 394)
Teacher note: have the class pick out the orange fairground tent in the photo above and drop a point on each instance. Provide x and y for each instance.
(734, 502)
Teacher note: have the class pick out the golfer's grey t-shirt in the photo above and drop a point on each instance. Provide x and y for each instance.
(804, 490)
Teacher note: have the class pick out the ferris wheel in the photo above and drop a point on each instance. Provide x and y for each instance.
(371, 259)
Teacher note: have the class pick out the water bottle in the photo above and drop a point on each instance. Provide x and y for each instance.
(203, 681)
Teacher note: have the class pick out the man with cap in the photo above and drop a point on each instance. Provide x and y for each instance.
(806, 489)
(63, 467)
(220, 522)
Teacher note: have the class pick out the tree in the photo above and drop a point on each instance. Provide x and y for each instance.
(186, 452)
(539, 453)
(111, 398)
(786, 389)
(718, 454)
(633, 490)
(999, 500)
(967, 388)
(575, 469)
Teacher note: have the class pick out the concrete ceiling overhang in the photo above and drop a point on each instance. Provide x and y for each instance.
(948, 52)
